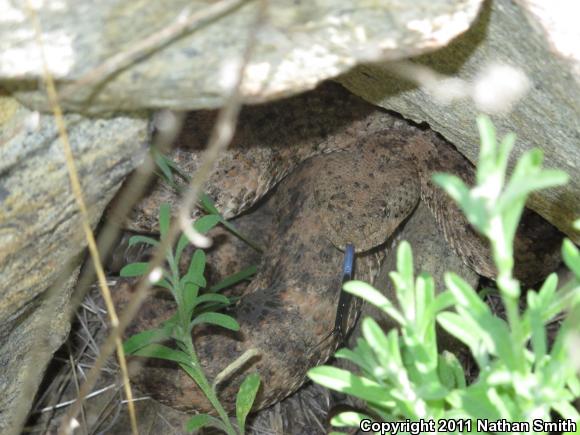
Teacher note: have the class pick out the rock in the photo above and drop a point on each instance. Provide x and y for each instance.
(548, 117)
(301, 44)
(40, 233)
(559, 26)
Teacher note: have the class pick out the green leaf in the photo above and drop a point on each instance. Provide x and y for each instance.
(520, 188)
(155, 350)
(370, 294)
(181, 245)
(218, 319)
(134, 269)
(567, 411)
(376, 339)
(503, 403)
(539, 343)
(453, 185)
(405, 262)
(212, 297)
(234, 278)
(245, 398)
(209, 207)
(421, 366)
(346, 382)
(395, 347)
(474, 210)
(164, 283)
(425, 316)
(189, 297)
(196, 268)
(403, 280)
(365, 352)
(505, 149)
(464, 294)
(450, 371)
(348, 419)
(208, 204)
(164, 219)
(475, 401)
(356, 358)
(460, 328)
(202, 420)
(195, 280)
(443, 301)
(571, 257)
(162, 163)
(143, 239)
(206, 223)
(142, 339)
(547, 291)
(487, 151)
(496, 335)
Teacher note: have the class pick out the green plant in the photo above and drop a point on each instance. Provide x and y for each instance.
(168, 169)
(193, 308)
(403, 379)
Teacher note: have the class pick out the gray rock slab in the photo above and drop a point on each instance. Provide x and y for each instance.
(40, 231)
(301, 44)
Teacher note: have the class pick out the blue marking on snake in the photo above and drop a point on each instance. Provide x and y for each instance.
(341, 323)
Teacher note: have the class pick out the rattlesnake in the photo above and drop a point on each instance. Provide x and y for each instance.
(355, 173)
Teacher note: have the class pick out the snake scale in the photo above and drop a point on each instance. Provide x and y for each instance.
(345, 172)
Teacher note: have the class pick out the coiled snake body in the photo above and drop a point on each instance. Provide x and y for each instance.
(355, 174)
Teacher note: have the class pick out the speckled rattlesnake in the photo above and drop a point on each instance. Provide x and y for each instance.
(355, 174)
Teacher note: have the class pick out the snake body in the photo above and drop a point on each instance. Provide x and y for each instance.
(352, 180)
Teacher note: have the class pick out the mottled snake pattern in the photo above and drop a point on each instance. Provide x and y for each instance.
(343, 172)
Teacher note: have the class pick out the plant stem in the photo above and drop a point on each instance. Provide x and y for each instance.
(509, 288)
(197, 374)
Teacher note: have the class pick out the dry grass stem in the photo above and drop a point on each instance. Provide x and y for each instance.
(84, 214)
(226, 122)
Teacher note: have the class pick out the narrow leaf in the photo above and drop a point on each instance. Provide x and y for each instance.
(143, 239)
(370, 294)
(202, 420)
(346, 382)
(181, 245)
(539, 343)
(571, 257)
(464, 294)
(487, 151)
(161, 162)
(218, 319)
(212, 297)
(451, 371)
(459, 327)
(348, 419)
(245, 398)
(142, 339)
(206, 223)
(234, 278)
(164, 219)
(134, 269)
(156, 350)
(376, 339)
(208, 204)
